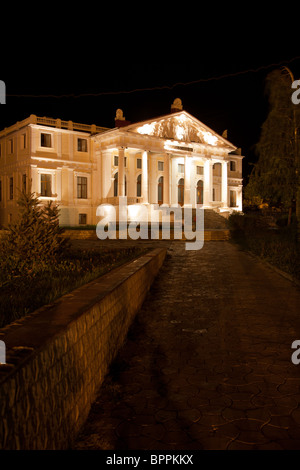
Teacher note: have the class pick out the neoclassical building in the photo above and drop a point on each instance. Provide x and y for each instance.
(170, 159)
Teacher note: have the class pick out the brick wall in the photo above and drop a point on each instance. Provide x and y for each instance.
(58, 356)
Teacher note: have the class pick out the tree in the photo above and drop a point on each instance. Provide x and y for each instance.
(275, 177)
(35, 240)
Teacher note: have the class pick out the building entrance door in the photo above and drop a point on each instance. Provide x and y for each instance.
(181, 191)
(160, 190)
(200, 192)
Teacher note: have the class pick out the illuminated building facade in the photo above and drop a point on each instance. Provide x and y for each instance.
(172, 159)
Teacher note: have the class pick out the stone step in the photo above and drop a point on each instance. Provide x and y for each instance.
(213, 220)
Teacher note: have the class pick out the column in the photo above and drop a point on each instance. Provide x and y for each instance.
(121, 181)
(224, 184)
(106, 180)
(145, 177)
(207, 188)
(187, 180)
(166, 179)
(172, 181)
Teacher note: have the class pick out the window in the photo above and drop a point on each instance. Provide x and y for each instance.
(200, 192)
(232, 198)
(82, 219)
(82, 187)
(139, 163)
(160, 190)
(24, 182)
(23, 141)
(11, 188)
(46, 140)
(116, 184)
(160, 166)
(82, 145)
(46, 185)
(139, 186)
(116, 160)
(10, 146)
(199, 170)
(181, 191)
(232, 165)
(180, 168)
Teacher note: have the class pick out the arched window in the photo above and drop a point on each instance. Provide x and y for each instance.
(116, 184)
(200, 192)
(160, 190)
(181, 191)
(139, 186)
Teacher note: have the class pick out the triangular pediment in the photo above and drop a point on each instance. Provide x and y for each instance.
(181, 127)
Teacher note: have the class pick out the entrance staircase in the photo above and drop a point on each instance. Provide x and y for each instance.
(214, 221)
(216, 226)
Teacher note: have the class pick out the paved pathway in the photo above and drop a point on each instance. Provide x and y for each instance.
(207, 363)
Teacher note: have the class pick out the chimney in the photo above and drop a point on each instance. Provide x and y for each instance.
(120, 119)
(176, 106)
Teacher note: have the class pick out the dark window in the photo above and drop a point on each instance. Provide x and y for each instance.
(139, 186)
(11, 188)
(46, 140)
(160, 166)
(82, 219)
(232, 199)
(82, 145)
(116, 185)
(200, 191)
(24, 182)
(82, 187)
(23, 141)
(160, 195)
(181, 191)
(10, 146)
(46, 185)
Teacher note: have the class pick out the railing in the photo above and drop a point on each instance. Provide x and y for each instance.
(58, 123)
(93, 129)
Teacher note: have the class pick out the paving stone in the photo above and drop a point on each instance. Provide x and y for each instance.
(207, 364)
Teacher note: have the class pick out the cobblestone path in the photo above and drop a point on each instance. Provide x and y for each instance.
(207, 363)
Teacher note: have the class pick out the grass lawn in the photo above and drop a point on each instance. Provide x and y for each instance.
(20, 295)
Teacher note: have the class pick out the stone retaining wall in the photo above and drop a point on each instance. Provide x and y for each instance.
(58, 356)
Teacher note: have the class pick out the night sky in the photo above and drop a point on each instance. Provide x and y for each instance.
(221, 81)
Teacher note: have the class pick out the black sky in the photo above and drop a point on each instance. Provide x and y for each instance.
(100, 66)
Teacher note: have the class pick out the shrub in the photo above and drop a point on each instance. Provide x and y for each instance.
(278, 245)
(34, 241)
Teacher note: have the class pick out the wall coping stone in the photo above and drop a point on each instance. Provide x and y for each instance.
(29, 335)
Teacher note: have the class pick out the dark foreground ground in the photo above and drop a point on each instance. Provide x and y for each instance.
(207, 363)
